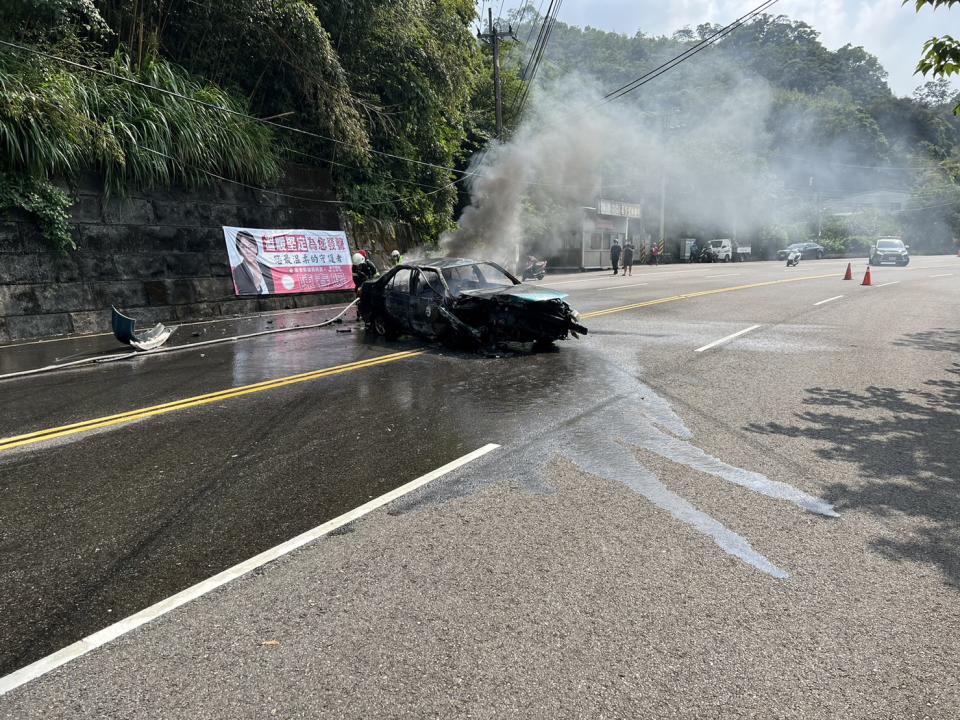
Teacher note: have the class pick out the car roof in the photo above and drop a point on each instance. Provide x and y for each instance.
(442, 263)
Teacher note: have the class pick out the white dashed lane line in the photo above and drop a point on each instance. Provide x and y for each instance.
(727, 339)
(824, 302)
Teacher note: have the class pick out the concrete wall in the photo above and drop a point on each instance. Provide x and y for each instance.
(159, 255)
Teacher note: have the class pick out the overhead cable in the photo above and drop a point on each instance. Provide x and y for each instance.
(714, 37)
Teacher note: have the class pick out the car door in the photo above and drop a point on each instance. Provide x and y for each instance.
(397, 298)
(427, 294)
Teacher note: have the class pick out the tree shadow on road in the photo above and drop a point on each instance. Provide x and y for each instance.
(938, 340)
(905, 442)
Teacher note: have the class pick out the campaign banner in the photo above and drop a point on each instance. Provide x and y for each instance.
(281, 262)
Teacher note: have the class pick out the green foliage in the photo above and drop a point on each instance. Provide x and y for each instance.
(406, 78)
(56, 122)
(38, 19)
(277, 53)
(941, 55)
(47, 203)
(414, 65)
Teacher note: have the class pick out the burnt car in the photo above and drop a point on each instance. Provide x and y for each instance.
(458, 299)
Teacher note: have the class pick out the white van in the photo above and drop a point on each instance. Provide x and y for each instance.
(722, 249)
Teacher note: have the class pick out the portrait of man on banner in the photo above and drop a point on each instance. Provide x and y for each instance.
(288, 261)
(250, 276)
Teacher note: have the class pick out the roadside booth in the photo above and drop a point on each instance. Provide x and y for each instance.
(610, 220)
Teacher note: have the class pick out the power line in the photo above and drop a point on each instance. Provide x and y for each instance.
(687, 54)
(533, 24)
(536, 57)
(859, 167)
(299, 197)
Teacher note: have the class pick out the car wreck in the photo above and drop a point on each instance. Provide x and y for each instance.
(465, 300)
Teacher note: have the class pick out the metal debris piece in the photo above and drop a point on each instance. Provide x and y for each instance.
(125, 330)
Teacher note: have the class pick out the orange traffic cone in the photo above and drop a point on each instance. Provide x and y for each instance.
(849, 274)
(867, 279)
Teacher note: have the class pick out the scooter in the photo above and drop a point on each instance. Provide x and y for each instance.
(793, 259)
(535, 269)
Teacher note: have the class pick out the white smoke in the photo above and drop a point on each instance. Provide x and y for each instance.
(573, 148)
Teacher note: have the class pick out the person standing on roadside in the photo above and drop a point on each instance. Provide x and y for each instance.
(655, 254)
(615, 251)
(627, 257)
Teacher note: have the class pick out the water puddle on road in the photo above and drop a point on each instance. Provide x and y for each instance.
(598, 424)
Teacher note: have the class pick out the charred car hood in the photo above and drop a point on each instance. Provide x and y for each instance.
(517, 293)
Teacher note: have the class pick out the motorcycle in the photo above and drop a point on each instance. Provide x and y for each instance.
(535, 269)
(700, 254)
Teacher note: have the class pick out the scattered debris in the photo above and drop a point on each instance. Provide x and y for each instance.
(125, 330)
(344, 330)
(270, 643)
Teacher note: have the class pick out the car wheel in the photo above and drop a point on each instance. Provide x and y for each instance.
(385, 327)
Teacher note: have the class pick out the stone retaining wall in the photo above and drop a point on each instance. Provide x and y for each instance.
(158, 255)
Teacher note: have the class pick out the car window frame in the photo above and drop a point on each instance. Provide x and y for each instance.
(391, 283)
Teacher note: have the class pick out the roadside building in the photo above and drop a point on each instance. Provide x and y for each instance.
(610, 220)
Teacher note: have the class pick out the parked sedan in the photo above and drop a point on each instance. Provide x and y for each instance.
(889, 250)
(465, 299)
(807, 250)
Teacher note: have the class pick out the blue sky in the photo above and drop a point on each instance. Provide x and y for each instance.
(894, 33)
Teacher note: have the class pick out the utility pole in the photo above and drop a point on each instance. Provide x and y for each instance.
(494, 36)
(663, 205)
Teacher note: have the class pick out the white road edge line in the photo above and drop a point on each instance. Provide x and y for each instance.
(944, 275)
(724, 275)
(894, 282)
(728, 338)
(102, 637)
(824, 302)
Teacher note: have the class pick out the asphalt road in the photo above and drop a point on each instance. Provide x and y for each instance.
(675, 524)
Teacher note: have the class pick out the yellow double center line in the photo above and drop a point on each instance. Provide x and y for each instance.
(687, 296)
(131, 415)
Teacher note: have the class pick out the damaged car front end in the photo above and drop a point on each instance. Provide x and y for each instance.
(466, 300)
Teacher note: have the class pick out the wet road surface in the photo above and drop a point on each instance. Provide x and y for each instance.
(98, 525)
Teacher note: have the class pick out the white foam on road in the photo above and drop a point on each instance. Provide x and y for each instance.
(102, 637)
